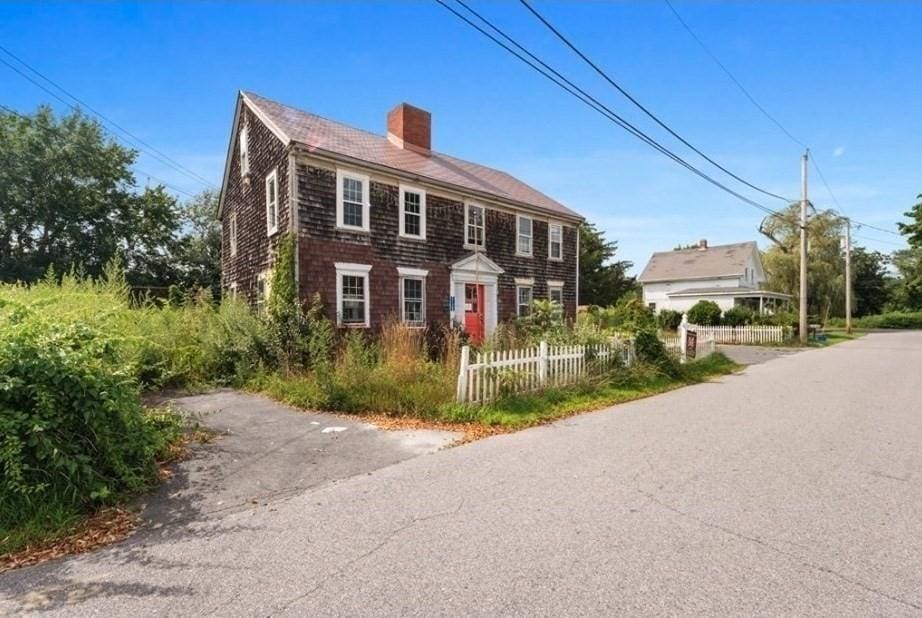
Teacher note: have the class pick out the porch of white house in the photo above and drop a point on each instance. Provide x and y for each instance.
(763, 301)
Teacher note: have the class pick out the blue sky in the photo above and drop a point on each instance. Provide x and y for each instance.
(844, 78)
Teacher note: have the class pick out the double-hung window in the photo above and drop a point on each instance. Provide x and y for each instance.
(524, 235)
(412, 212)
(244, 151)
(263, 290)
(523, 295)
(272, 202)
(232, 232)
(352, 201)
(555, 295)
(474, 226)
(555, 241)
(413, 295)
(352, 301)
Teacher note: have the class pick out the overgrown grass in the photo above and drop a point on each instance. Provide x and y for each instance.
(624, 385)
(891, 320)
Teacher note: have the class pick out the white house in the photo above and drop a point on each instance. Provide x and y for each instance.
(729, 275)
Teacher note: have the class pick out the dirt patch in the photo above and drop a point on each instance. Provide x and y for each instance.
(469, 431)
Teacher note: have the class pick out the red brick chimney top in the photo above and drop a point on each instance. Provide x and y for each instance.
(410, 127)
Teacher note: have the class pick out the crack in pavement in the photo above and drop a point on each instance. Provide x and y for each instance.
(387, 539)
(817, 567)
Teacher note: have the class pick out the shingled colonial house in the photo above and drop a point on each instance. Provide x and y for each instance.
(384, 226)
(729, 275)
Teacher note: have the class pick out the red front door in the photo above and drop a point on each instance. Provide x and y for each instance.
(474, 311)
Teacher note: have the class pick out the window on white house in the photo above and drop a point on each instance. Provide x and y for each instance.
(555, 241)
(523, 246)
(352, 201)
(412, 212)
(272, 202)
(474, 226)
(413, 290)
(244, 151)
(524, 297)
(652, 307)
(352, 299)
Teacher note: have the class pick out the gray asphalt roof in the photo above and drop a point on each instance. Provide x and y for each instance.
(716, 261)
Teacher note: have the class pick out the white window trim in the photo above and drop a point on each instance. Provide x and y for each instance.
(232, 289)
(550, 225)
(366, 200)
(417, 274)
(402, 188)
(263, 277)
(518, 304)
(467, 211)
(352, 270)
(555, 285)
(232, 232)
(244, 153)
(518, 236)
(272, 179)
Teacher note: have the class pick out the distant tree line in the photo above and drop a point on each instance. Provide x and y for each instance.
(69, 200)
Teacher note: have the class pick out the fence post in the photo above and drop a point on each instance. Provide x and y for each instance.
(542, 363)
(683, 337)
(463, 365)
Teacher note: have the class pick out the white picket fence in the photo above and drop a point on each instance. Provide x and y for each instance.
(742, 334)
(485, 376)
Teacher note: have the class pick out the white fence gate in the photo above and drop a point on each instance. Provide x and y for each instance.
(742, 334)
(484, 376)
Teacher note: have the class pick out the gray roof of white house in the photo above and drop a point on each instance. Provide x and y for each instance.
(713, 262)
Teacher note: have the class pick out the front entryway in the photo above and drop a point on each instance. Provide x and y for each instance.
(474, 311)
(474, 283)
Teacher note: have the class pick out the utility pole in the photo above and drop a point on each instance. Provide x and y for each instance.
(803, 248)
(848, 275)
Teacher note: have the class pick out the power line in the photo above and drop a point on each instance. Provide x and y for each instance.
(58, 135)
(765, 113)
(739, 85)
(567, 85)
(154, 152)
(643, 108)
(886, 242)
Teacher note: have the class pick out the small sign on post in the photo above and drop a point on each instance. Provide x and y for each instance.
(691, 343)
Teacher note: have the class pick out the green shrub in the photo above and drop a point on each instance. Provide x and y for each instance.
(651, 351)
(895, 319)
(739, 316)
(704, 313)
(628, 315)
(72, 429)
(668, 319)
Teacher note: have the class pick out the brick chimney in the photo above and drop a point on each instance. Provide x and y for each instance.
(410, 127)
(703, 244)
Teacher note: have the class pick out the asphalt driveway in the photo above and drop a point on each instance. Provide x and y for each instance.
(793, 488)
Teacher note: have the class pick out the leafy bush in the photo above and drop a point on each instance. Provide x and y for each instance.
(704, 313)
(667, 319)
(74, 433)
(628, 315)
(739, 316)
(895, 319)
(651, 351)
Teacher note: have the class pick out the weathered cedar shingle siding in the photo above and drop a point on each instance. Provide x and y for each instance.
(254, 246)
(322, 245)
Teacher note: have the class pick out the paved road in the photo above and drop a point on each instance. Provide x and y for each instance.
(755, 354)
(794, 488)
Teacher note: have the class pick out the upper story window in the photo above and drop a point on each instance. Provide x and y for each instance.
(232, 232)
(412, 212)
(245, 151)
(474, 226)
(555, 241)
(524, 235)
(352, 201)
(272, 202)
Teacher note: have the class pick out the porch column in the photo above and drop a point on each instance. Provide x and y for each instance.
(761, 304)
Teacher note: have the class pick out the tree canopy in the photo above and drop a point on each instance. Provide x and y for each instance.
(907, 291)
(602, 279)
(69, 200)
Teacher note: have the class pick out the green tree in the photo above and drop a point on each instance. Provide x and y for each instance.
(825, 260)
(68, 199)
(704, 313)
(907, 290)
(199, 252)
(602, 279)
(870, 281)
